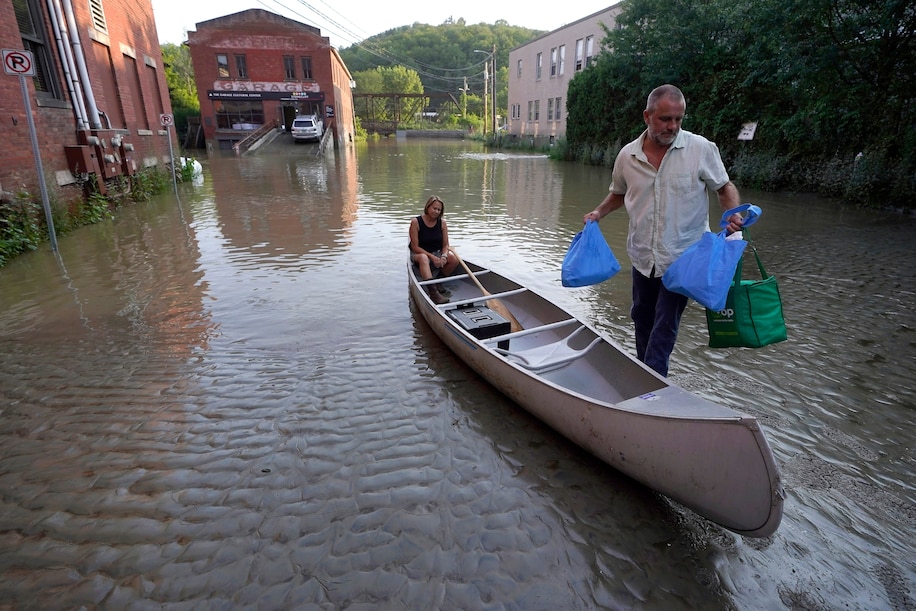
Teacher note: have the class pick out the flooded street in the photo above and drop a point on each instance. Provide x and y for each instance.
(227, 401)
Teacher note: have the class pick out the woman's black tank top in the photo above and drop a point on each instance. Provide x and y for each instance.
(430, 238)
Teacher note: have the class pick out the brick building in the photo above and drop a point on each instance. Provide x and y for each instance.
(96, 98)
(257, 68)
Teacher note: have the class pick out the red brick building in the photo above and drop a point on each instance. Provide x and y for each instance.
(96, 98)
(256, 68)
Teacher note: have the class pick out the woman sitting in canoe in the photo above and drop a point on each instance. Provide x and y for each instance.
(429, 245)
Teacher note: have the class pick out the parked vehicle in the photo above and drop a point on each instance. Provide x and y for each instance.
(307, 127)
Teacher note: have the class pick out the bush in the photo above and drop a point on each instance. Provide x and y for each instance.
(868, 179)
(22, 223)
(19, 227)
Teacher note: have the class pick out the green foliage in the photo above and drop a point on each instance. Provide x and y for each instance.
(22, 222)
(445, 57)
(151, 181)
(823, 79)
(95, 209)
(388, 79)
(184, 172)
(19, 227)
(179, 76)
(360, 131)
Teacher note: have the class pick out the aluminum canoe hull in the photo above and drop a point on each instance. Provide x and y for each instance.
(707, 457)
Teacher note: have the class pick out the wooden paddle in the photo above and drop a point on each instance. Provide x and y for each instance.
(493, 304)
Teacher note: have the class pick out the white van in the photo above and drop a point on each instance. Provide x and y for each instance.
(307, 127)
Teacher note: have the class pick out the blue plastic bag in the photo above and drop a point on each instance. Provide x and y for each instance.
(704, 272)
(589, 259)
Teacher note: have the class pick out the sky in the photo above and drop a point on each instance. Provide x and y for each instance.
(347, 22)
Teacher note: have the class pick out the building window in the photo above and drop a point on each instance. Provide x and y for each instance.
(34, 40)
(550, 109)
(561, 60)
(530, 109)
(579, 51)
(537, 110)
(241, 66)
(537, 68)
(589, 51)
(553, 62)
(222, 65)
(518, 69)
(289, 66)
(307, 68)
(239, 114)
(556, 113)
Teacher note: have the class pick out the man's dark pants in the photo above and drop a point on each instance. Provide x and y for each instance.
(656, 313)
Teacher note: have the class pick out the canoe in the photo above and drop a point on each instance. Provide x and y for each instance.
(707, 457)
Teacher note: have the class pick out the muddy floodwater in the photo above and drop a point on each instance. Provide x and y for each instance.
(225, 400)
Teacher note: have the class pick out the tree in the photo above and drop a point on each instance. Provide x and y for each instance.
(179, 76)
(386, 80)
(825, 80)
(443, 56)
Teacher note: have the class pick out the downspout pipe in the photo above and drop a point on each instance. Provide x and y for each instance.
(62, 38)
(93, 110)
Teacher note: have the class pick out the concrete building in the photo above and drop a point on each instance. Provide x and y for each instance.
(540, 71)
(256, 68)
(96, 88)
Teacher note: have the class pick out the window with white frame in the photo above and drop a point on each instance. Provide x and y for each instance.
(537, 110)
(553, 62)
(561, 60)
(518, 69)
(222, 65)
(550, 109)
(580, 46)
(556, 112)
(538, 65)
(589, 50)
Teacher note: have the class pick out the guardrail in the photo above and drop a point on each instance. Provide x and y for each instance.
(323, 143)
(242, 146)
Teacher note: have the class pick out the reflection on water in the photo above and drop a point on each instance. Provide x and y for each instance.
(229, 402)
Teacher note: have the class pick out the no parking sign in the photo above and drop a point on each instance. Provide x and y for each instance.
(22, 64)
(18, 63)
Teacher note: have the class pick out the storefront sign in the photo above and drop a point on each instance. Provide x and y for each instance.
(265, 86)
(285, 96)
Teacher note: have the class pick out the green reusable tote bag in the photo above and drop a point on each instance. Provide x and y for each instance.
(752, 316)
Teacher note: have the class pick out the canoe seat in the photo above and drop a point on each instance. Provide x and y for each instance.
(549, 356)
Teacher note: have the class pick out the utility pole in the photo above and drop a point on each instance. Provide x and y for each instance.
(493, 91)
(486, 97)
(489, 92)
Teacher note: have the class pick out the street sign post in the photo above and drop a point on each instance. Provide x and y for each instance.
(22, 64)
(167, 121)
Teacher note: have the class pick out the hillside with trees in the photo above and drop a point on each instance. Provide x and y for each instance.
(831, 85)
(446, 59)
